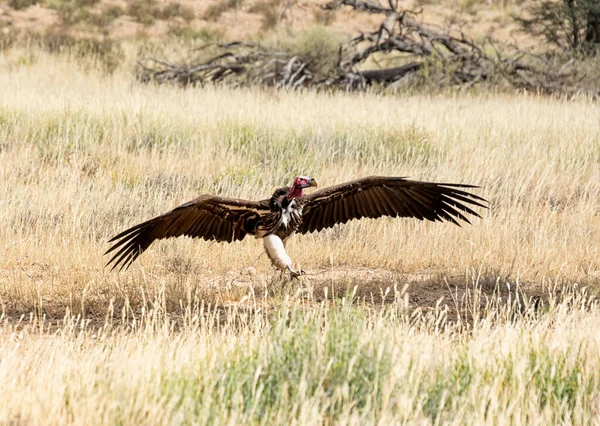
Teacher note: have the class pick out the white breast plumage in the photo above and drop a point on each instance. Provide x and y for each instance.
(290, 213)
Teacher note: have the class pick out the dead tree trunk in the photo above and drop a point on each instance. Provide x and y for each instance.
(572, 9)
(592, 33)
(424, 55)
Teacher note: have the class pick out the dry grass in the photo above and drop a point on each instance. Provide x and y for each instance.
(188, 336)
(307, 365)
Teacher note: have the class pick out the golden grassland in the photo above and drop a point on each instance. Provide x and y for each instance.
(190, 334)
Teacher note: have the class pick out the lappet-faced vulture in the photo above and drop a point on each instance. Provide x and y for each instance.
(289, 211)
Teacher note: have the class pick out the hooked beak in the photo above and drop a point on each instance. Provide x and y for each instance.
(313, 183)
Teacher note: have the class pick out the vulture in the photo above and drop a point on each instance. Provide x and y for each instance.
(289, 210)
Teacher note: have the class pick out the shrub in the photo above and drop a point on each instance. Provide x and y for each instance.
(144, 11)
(176, 10)
(21, 4)
(215, 11)
(571, 25)
(105, 52)
(317, 46)
(268, 10)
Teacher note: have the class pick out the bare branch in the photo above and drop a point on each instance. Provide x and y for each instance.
(450, 58)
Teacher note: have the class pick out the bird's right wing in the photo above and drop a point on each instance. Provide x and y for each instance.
(208, 217)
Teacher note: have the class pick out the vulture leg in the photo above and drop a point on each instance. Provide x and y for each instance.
(275, 249)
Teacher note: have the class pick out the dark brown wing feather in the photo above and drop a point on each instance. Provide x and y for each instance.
(208, 217)
(377, 196)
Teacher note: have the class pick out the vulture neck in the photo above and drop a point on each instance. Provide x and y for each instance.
(294, 192)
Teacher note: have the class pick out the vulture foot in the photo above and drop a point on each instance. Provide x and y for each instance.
(295, 274)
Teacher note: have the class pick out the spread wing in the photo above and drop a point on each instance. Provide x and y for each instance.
(377, 196)
(208, 217)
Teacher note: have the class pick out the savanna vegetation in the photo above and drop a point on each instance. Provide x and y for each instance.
(396, 321)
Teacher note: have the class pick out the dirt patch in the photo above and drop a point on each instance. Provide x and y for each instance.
(246, 294)
(461, 297)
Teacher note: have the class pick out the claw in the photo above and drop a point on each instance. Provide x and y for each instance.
(295, 274)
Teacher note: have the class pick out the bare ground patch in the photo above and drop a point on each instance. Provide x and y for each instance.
(460, 298)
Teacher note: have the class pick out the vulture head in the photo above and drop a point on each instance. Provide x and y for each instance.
(299, 184)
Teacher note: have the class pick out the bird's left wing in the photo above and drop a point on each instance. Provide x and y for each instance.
(208, 217)
(377, 196)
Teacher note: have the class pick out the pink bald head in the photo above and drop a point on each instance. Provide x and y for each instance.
(299, 184)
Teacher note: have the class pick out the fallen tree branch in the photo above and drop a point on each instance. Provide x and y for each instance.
(427, 54)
